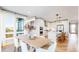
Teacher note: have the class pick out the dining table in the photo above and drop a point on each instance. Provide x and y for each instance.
(36, 42)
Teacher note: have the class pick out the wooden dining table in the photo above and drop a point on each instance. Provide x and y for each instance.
(36, 42)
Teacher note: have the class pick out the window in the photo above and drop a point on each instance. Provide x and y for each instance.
(60, 28)
(20, 24)
(73, 28)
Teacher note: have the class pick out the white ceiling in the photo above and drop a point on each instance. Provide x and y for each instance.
(46, 12)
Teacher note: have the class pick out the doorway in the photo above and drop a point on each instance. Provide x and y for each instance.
(73, 37)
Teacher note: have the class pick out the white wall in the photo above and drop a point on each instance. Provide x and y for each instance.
(1, 30)
(65, 23)
(78, 28)
(53, 26)
(1, 27)
(78, 34)
(8, 20)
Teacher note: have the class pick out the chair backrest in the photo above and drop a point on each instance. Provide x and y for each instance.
(23, 47)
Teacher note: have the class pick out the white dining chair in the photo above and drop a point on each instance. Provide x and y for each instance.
(24, 47)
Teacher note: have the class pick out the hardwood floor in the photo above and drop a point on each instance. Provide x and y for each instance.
(68, 46)
(62, 47)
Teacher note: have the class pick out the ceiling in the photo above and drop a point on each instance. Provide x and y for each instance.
(46, 12)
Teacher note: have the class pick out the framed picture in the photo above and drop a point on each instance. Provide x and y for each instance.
(9, 35)
(60, 28)
(9, 29)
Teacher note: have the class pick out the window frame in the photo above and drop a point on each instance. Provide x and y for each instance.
(76, 28)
